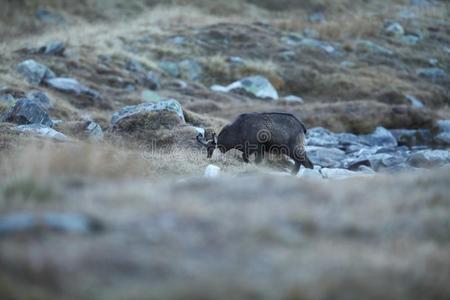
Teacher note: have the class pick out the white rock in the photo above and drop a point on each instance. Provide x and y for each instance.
(293, 98)
(212, 171)
(258, 86)
(339, 173)
(42, 130)
(310, 174)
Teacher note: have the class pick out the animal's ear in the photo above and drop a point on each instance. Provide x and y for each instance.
(214, 138)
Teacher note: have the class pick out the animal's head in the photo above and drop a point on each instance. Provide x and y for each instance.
(210, 145)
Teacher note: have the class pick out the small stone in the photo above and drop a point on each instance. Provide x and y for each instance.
(43, 131)
(432, 73)
(414, 101)
(170, 67)
(235, 60)
(48, 222)
(293, 98)
(53, 48)
(317, 17)
(34, 72)
(394, 29)
(190, 70)
(152, 81)
(212, 171)
(364, 46)
(94, 132)
(134, 66)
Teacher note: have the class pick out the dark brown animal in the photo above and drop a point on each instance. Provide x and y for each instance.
(260, 133)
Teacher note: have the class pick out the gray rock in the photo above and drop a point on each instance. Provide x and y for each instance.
(152, 81)
(310, 173)
(7, 100)
(381, 137)
(365, 46)
(414, 101)
(317, 17)
(443, 132)
(72, 86)
(293, 98)
(429, 158)
(212, 171)
(394, 29)
(134, 66)
(311, 33)
(53, 48)
(94, 132)
(43, 131)
(338, 174)
(349, 139)
(48, 222)
(412, 137)
(34, 72)
(321, 137)
(325, 157)
(432, 73)
(256, 86)
(166, 105)
(375, 161)
(40, 98)
(49, 17)
(410, 39)
(170, 67)
(235, 60)
(327, 47)
(26, 111)
(190, 69)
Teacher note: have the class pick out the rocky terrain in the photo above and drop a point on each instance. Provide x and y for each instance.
(106, 194)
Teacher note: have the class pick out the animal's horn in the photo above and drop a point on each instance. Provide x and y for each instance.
(201, 140)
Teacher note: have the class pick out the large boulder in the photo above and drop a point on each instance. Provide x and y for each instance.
(27, 111)
(256, 86)
(325, 157)
(33, 72)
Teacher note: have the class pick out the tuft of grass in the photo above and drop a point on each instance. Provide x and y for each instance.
(28, 189)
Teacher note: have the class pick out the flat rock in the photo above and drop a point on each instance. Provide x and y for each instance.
(20, 223)
(325, 157)
(43, 131)
(381, 137)
(330, 173)
(257, 86)
(34, 73)
(72, 86)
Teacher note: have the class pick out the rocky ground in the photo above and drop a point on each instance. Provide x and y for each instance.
(102, 192)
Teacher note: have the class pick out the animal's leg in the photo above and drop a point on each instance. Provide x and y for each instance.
(245, 157)
(259, 157)
(296, 168)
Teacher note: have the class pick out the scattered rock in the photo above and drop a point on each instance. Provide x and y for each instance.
(20, 223)
(40, 98)
(150, 96)
(339, 173)
(43, 131)
(34, 72)
(380, 137)
(429, 158)
(310, 173)
(171, 105)
(394, 29)
(321, 137)
(49, 17)
(152, 81)
(27, 111)
(317, 17)
(235, 60)
(94, 132)
(134, 66)
(414, 101)
(325, 157)
(69, 85)
(293, 98)
(370, 47)
(443, 132)
(412, 137)
(257, 86)
(212, 171)
(53, 48)
(190, 70)
(327, 47)
(170, 67)
(432, 73)
(410, 39)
